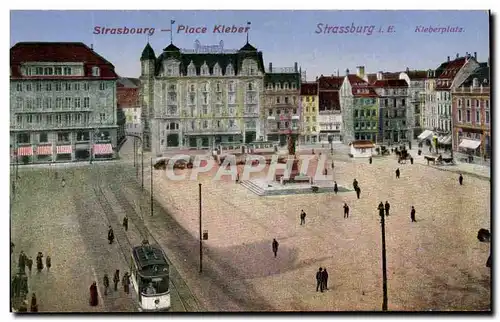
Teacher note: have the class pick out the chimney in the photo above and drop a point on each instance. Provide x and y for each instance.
(92, 47)
(360, 71)
(321, 75)
(270, 67)
(316, 78)
(466, 54)
(347, 71)
(448, 58)
(332, 75)
(475, 55)
(296, 67)
(380, 75)
(475, 82)
(338, 73)
(458, 55)
(407, 69)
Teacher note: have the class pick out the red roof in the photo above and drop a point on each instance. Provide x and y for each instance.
(309, 89)
(330, 82)
(372, 78)
(417, 74)
(360, 88)
(449, 72)
(127, 97)
(329, 101)
(390, 83)
(60, 52)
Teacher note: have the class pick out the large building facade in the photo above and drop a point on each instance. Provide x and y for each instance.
(200, 100)
(62, 103)
(330, 115)
(127, 93)
(359, 103)
(282, 103)
(310, 112)
(416, 98)
(472, 115)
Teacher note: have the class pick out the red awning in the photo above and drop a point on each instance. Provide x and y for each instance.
(44, 150)
(103, 149)
(25, 151)
(64, 149)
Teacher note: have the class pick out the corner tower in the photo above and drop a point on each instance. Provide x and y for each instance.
(148, 62)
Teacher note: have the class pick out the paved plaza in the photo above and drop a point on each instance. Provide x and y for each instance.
(436, 263)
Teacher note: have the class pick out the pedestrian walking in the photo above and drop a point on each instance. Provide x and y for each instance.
(30, 264)
(125, 223)
(412, 214)
(397, 173)
(63, 183)
(12, 247)
(355, 184)
(333, 165)
(275, 247)
(126, 283)
(358, 191)
(387, 208)
(34, 304)
(319, 280)
(111, 235)
(105, 282)
(381, 209)
(22, 262)
(325, 172)
(94, 296)
(324, 277)
(370, 160)
(237, 177)
(116, 279)
(39, 262)
(461, 179)
(335, 187)
(48, 262)
(411, 160)
(346, 210)
(302, 217)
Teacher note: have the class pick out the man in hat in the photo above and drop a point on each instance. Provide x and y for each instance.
(275, 247)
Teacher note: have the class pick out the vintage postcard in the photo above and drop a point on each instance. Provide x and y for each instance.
(236, 161)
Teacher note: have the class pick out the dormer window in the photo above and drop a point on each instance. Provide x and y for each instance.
(191, 69)
(250, 86)
(269, 86)
(191, 88)
(286, 86)
(229, 70)
(278, 86)
(204, 69)
(294, 86)
(217, 70)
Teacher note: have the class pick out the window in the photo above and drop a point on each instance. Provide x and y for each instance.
(58, 87)
(278, 100)
(58, 71)
(67, 70)
(468, 116)
(19, 119)
(47, 103)
(38, 119)
(77, 102)
(478, 117)
(96, 71)
(286, 99)
(204, 70)
(102, 117)
(48, 71)
(229, 70)
(38, 102)
(48, 87)
(477, 103)
(460, 115)
(487, 104)
(487, 117)
(58, 119)
(277, 86)
(23, 138)
(39, 71)
(67, 102)
(294, 86)
(29, 118)
(68, 86)
(85, 86)
(250, 86)
(59, 102)
(49, 119)
(468, 103)
(191, 70)
(285, 86)
(28, 87)
(231, 123)
(102, 86)
(29, 103)
(19, 87)
(76, 86)
(206, 88)
(231, 87)
(63, 137)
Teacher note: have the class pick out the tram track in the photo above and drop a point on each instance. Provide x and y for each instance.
(138, 223)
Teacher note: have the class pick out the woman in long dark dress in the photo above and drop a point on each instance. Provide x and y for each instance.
(94, 300)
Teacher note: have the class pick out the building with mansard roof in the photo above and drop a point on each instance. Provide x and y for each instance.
(62, 103)
(201, 98)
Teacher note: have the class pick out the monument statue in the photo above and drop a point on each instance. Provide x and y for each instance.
(291, 145)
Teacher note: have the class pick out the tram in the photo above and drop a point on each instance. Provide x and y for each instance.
(150, 277)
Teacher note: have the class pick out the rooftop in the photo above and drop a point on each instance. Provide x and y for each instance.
(309, 89)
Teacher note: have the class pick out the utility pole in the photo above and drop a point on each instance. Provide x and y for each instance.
(142, 167)
(134, 154)
(151, 201)
(384, 263)
(201, 237)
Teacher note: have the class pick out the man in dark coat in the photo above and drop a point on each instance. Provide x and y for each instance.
(111, 235)
(335, 187)
(370, 160)
(397, 173)
(412, 214)
(105, 282)
(387, 208)
(94, 297)
(275, 247)
(358, 191)
(125, 223)
(346, 210)
(461, 179)
(319, 280)
(302, 217)
(355, 184)
(22, 262)
(34, 304)
(116, 279)
(126, 283)
(39, 261)
(12, 247)
(48, 262)
(29, 262)
(381, 209)
(324, 277)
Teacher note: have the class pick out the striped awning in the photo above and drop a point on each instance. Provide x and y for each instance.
(44, 150)
(103, 149)
(25, 151)
(64, 149)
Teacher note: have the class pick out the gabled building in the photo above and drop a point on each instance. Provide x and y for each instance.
(416, 98)
(282, 103)
(62, 103)
(472, 114)
(330, 115)
(200, 100)
(395, 112)
(310, 112)
(359, 106)
(127, 92)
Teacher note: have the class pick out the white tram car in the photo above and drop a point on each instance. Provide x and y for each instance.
(150, 277)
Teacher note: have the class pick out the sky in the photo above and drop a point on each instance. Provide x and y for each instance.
(284, 37)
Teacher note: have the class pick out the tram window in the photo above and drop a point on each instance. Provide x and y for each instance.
(151, 286)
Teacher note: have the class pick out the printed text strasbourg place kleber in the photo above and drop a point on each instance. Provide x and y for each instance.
(218, 29)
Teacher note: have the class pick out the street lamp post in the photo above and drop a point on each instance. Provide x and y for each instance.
(151, 200)
(142, 167)
(384, 263)
(201, 246)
